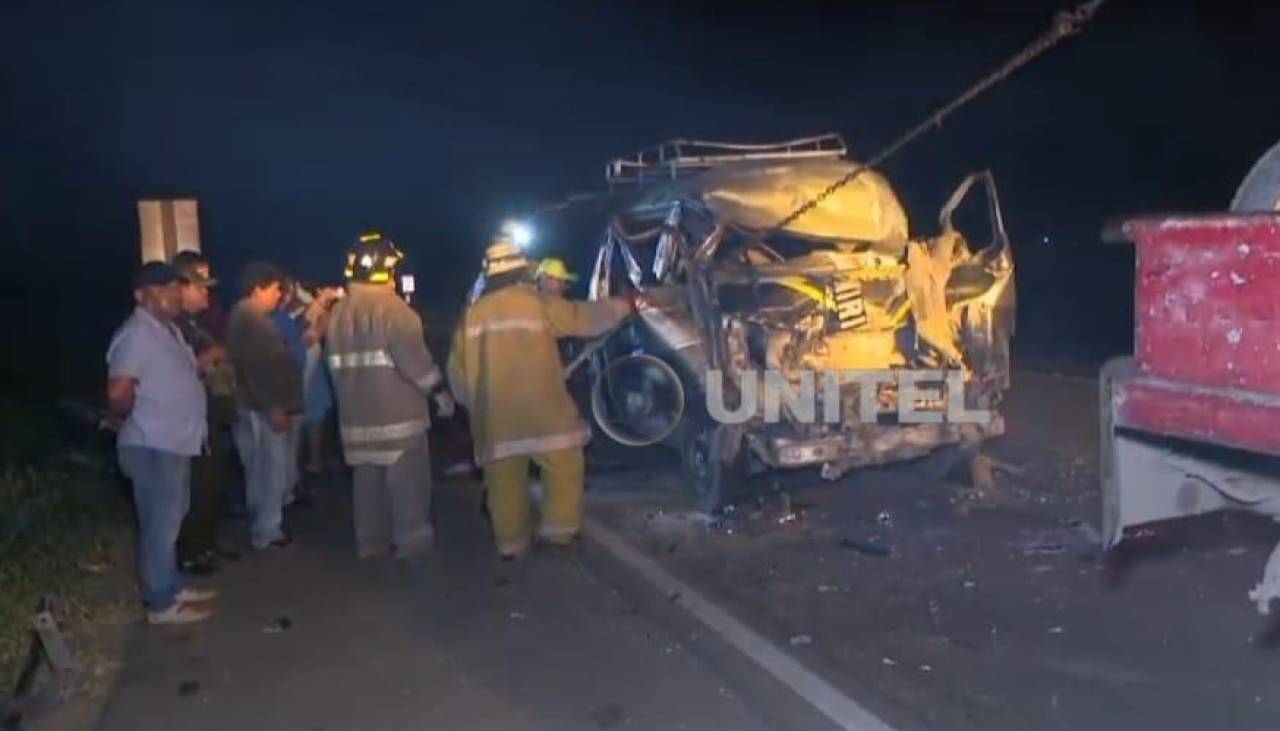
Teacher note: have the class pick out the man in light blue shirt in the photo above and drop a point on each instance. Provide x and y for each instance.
(155, 394)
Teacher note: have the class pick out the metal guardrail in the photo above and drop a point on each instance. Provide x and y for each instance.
(49, 649)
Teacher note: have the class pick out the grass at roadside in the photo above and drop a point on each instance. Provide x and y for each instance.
(68, 533)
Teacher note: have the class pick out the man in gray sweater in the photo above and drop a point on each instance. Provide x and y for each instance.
(269, 396)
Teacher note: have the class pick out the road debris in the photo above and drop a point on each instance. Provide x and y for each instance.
(1086, 532)
(277, 625)
(188, 688)
(866, 547)
(517, 615)
(970, 584)
(1056, 630)
(999, 465)
(888, 662)
(827, 588)
(1269, 588)
(1043, 549)
(935, 616)
(789, 512)
(926, 668)
(885, 519)
(800, 640)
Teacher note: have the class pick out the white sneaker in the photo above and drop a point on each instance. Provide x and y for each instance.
(179, 613)
(191, 595)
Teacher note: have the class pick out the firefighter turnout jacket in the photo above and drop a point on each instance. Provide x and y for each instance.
(382, 374)
(504, 366)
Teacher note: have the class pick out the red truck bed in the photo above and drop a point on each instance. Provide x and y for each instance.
(1190, 422)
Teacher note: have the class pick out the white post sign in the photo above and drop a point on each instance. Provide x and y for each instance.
(168, 226)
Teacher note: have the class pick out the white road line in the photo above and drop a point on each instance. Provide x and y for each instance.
(840, 708)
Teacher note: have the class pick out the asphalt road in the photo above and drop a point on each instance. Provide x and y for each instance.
(931, 606)
(447, 642)
(942, 608)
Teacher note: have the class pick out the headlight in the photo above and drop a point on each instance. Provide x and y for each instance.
(520, 232)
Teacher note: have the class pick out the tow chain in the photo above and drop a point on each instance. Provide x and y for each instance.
(1065, 24)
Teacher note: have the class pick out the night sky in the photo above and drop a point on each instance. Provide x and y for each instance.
(298, 123)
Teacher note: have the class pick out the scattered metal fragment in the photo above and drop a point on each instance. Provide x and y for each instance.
(1269, 588)
(866, 547)
(935, 616)
(277, 625)
(1087, 532)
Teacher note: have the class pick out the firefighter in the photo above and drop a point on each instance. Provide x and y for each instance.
(553, 277)
(505, 368)
(383, 377)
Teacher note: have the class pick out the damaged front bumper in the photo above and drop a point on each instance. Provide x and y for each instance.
(869, 445)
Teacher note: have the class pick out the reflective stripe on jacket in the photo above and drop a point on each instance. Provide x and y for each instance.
(381, 371)
(504, 366)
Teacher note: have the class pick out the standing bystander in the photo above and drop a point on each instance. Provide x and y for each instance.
(213, 471)
(269, 393)
(287, 317)
(154, 395)
(317, 389)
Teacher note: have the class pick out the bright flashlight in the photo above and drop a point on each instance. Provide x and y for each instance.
(520, 232)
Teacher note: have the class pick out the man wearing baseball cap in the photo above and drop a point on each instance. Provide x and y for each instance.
(154, 394)
(214, 471)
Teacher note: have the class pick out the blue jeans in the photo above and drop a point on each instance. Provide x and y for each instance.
(161, 494)
(265, 455)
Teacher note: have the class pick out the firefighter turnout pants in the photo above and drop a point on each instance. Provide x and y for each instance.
(391, 505)
(507, 483)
